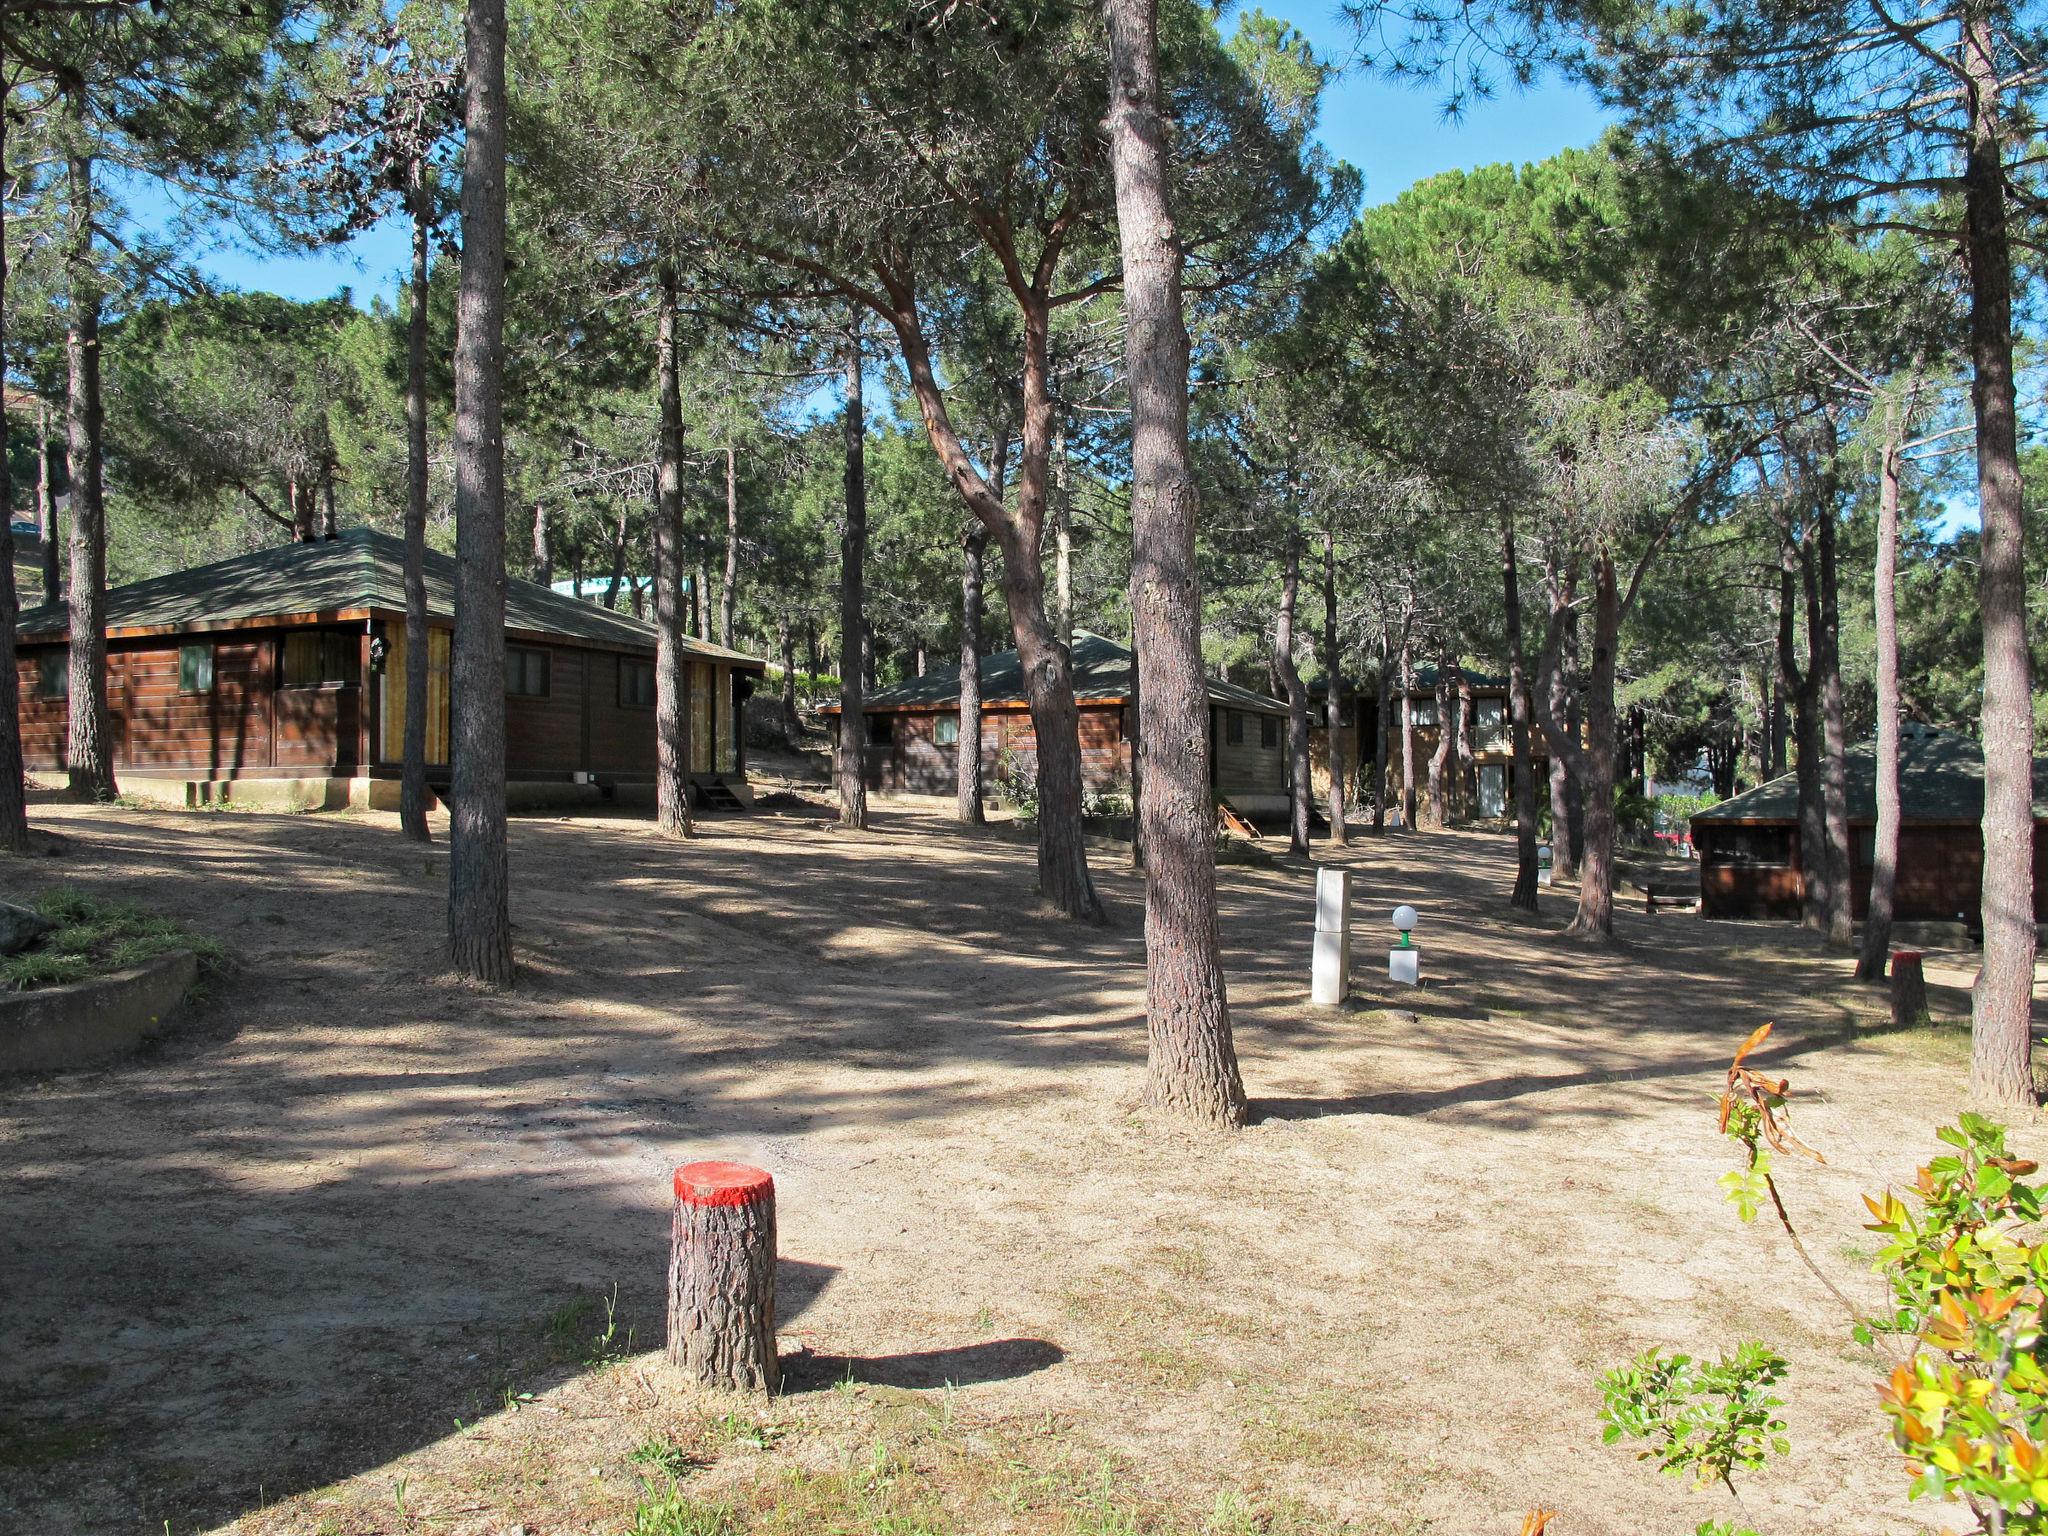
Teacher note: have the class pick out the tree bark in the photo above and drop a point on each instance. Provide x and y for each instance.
(90, 748)
(1300, 795)
(1834, 773)
(13, 776)
(1333, 669)
(1379, 750)
(721, 1277)
(1520, 712)
(1591, 761)
(1191, 1062)
(1817, 868)
(729, 589)
(1446, 735)
(1465, 784)
(543, 546)
(479, 877)
(617, 583)
(967, 751)
(1884, 858)
(1063, 542)
(1557, 690)
(2001, 1070)
(46, 508)
(412, 782)
(671, 659)
(1408, 791)
(850, 755)
(785, 649)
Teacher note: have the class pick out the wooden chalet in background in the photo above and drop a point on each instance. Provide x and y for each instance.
(1486, 724)
(914, 729)
(1751, 862)
(279, 677)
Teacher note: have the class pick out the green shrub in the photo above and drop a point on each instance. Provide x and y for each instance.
(1706, 1421)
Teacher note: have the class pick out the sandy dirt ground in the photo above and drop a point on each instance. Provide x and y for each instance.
(334, 1256)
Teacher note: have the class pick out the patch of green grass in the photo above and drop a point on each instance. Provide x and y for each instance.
(671, 1512)
(95, 937)
(30, 1443)
(665, 1456)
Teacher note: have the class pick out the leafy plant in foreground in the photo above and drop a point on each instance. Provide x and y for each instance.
(1706, 1420)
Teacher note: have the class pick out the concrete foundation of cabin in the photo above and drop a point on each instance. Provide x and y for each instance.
(363, 793)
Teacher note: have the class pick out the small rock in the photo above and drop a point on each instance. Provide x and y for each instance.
(19, 927)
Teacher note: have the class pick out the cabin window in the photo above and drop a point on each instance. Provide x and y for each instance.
(1269, 732)
(1423, 713)
(195, 669)
(636, 684)
(53, 675)
(526, 673)
(881, 730)
(946, 730)
(1233, 728)
(313, 657)
(1750, 847)
(1488, 715)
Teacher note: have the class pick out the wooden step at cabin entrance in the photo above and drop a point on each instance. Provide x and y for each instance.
(1233, 819)
(714, 794)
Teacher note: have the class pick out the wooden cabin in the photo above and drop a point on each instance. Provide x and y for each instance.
(279, 677)
(913, 730)
(1751, 863)
(1487, 725)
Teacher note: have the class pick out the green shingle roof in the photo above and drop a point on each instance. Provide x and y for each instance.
(362, 569)
(1102, 672)
(1941, 778)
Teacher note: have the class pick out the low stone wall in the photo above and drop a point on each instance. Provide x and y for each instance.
(88, 1021)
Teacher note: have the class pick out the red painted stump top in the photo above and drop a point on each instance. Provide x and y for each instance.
(1904, 954)
(723, 1184)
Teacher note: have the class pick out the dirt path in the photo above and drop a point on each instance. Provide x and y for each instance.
(351, 1209)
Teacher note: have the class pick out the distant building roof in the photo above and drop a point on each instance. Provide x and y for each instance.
(1102, 675)
(360, 573)
(1941, 778)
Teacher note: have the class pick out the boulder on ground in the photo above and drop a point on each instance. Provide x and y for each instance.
(20, 927)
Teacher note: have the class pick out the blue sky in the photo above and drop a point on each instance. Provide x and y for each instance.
(1395, 134)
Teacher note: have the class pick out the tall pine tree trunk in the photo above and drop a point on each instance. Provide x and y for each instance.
(1520, 712)
(618, 581)
(1884, 855)
(13, 777)
(1333, 669)
(412, 782)
(91, 737)
(1300, 797)
(1440, 754)
(729, 589)
(479, 874)
(1556, 683)
(967, 749)
(46, 507)
(1795, 571)
(1465, 785)
(1191, 1062)
(1063, 542)
(2001, 1071)
(1383, 696)
(1591, 758)
(671, 660)
(543, 546)
(851, 753)
(1408, 787)
(785, 650)
(1834, 773)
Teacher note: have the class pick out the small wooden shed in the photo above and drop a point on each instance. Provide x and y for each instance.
(280, 675)
(914, 729)
(1752, 866)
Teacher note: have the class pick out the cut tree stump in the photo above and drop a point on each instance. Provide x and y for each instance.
(1909, 990)
(721, 1277)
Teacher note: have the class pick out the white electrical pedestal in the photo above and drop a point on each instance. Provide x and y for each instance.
(1330, 978)
(1404, 961)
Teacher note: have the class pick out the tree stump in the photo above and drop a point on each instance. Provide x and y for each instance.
(1909, 990)
(721, 1277)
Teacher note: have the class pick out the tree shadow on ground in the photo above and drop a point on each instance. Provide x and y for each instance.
(966, 1365)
